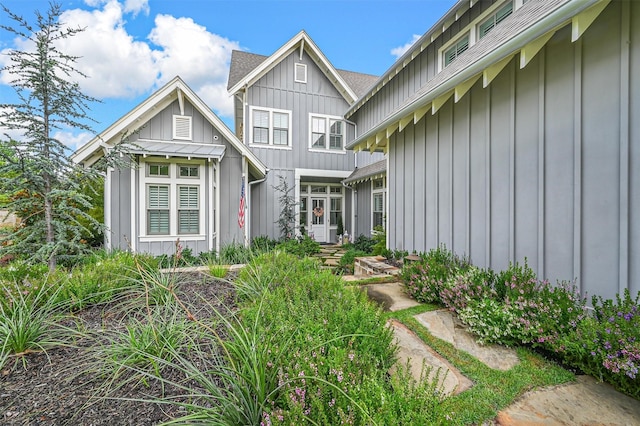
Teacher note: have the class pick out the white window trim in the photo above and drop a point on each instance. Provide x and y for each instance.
(183, 117)
(269, 145)
(382, 191)
(491, 16)
(302, 67)
(472, 29)
(173, 181)
(327, 118)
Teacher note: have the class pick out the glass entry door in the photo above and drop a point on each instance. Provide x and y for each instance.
(318, 219)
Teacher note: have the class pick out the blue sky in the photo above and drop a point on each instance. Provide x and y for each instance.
(132, 47)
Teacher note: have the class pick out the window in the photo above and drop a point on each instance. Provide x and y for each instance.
(456, 50)
(336, 211)
(378, 203)
(260, 126)
(271, 127)
(318, 132)
(303, 211)
(318, 189)
(378, 209)
(170, 195)
(495, 19)
(161, 170)
(280, 128)
(300, 72)
(335, 134)
(335, 190)
(326, 133)
(158, 210)
(188, 171)
(188, 210)
(182, 127)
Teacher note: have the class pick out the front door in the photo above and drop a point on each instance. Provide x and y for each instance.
(318, 219)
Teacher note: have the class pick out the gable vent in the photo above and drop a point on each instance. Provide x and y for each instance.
(182, 127)
(300, 73)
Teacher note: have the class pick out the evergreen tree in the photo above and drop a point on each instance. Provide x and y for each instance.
(45, 186)
(287, 220)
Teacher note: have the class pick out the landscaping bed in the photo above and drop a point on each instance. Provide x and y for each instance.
(62, 385)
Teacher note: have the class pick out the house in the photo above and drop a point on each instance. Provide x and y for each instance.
(289, 110)
(186, 179)
(511, 131)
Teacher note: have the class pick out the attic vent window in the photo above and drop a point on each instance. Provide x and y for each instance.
(300, 73)
(456, 50)
(182, 127)
(495, 19)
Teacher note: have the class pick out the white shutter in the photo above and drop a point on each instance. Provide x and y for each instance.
(158, 197)
(182, 127)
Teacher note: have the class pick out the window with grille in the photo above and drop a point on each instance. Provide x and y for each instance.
(158, 210)
(336, 211)
(188, 171)
(280, 128)
(456, 50)
(495, 19)
(326, 133)
(188, 210)
(260, 126)
(378, 209)
(160, 170)
(271, 127)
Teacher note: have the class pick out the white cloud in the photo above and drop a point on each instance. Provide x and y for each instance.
(72, 140)
(400, 50)
(201, 58)
(120, 66)
(136, 6)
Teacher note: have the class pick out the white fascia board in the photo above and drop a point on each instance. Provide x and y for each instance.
(554, 20)
(283, 52)
(298, 173)
(126, 122)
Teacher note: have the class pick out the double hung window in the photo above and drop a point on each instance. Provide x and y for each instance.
(271, 127)
(326, 133)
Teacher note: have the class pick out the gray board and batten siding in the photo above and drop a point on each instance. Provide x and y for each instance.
(543, 164)
(277, 89)
(412, 77)
(159, 128)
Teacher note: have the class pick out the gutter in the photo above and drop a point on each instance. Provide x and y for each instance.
(555, 18)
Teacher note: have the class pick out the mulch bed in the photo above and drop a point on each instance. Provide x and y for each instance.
(53, 389)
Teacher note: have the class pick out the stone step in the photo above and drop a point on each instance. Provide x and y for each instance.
(391, 296)
(444, 325)
(413, 350)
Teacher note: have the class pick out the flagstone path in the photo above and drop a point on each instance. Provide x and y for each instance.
(583, 402)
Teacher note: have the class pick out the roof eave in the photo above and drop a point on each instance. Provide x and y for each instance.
(557, 18)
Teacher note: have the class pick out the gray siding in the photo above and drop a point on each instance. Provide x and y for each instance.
(120, 199)
(543, 164)
(363, 210)
(277, 89)
(160, 128)
(412, 77)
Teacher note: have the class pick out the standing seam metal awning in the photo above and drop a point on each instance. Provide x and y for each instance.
(178, 149)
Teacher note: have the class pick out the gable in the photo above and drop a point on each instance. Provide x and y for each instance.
(173, 97)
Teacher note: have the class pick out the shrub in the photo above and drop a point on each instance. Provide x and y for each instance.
(234, 254)
(346, 262)
(380, 242)
(363, 243)
(607, 345)
(426, 279)
(474, 284)
(302, 246)
(490, 321)
(262, 244)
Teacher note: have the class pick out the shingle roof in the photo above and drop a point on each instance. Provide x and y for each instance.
(358, 82)
(242, 63)
(363, 173)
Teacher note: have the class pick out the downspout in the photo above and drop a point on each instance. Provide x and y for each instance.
(354, 205)
(247, 224)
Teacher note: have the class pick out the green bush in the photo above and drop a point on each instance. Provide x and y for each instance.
(301, 246)
(262, 244)
(437, 270)
(362, 243)
(474, 284)
(346, 262)
(607, 344)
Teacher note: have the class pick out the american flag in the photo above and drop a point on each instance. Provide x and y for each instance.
(242, 205)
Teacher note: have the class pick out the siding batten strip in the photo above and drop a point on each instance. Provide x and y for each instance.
(577, 164)
(541, 180)
(512, 165)
(625, 152)
(488, 177)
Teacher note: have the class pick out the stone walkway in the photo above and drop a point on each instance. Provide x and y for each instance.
(583, 402)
